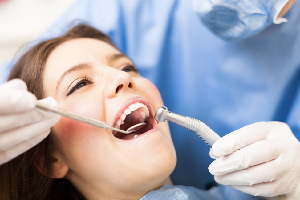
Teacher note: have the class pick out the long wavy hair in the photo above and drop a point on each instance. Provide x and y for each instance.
(19, 178)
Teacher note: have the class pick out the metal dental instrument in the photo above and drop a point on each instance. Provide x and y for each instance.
(202, 130)
(88, 120)
(136, 127)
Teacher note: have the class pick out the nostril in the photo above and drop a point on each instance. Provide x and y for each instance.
(119, 88)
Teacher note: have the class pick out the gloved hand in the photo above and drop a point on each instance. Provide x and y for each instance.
(22, 126)
(261, 159)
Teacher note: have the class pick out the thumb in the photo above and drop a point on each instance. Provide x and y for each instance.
(49, 101)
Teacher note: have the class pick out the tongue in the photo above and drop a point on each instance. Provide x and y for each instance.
(129, 136)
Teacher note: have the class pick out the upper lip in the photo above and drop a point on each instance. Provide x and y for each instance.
(130, 101)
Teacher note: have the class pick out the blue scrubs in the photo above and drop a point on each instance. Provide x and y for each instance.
(179, 192)
(226, 85)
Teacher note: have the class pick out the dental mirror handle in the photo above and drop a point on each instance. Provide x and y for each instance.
(195, 125)
(78, 117)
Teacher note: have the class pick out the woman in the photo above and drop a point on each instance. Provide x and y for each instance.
(86, 74)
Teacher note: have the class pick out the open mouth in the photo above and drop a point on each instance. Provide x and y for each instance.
(134, 114)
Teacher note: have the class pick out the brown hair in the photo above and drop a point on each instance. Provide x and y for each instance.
(19, 178)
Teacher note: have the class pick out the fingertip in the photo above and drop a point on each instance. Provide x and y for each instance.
(32, 100)
(212, 154)
(228, 144)
(49, 101)
(217, 149)
(212, 169)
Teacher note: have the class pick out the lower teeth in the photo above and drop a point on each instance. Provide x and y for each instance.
(135, 136)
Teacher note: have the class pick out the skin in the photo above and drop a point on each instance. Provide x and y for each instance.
(100, 165)
(286, 8)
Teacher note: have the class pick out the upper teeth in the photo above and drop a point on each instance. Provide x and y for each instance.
(143, 114)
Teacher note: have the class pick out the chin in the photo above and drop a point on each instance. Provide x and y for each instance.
(155, 160)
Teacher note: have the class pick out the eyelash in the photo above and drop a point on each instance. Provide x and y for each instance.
(131, 68)
(76, 87)
(127, 68)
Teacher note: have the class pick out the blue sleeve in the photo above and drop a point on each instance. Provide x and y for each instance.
(293, 119)
(221, 192)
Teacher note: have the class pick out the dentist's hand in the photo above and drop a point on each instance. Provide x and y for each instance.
(22, 126)
(262, 159)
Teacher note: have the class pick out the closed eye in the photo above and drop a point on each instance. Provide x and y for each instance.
(82, 83)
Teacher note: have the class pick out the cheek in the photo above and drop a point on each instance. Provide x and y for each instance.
(66, 129)
(151, 92)
(72, 132)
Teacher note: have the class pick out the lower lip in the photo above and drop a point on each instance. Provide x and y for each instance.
(140, 136)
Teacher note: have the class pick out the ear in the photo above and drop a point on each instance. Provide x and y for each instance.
(59, 168)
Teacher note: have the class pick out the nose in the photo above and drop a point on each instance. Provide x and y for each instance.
(116, 82)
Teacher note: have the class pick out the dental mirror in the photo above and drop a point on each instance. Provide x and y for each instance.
(87, 120)
(136, 127)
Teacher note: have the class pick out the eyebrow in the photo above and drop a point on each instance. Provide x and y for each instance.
(116, 56)
(72, 69)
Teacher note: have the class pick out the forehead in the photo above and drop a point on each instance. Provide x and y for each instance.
(73, 51)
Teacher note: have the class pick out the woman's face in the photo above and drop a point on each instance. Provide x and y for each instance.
(92, 78)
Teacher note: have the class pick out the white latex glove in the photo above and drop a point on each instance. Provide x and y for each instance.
(261, 159)
(22, 126)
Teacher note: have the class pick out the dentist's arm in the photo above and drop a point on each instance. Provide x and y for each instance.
(22, 126)
(286, 8)
(261, 159)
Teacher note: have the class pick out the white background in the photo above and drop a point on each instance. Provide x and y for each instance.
(22, 21)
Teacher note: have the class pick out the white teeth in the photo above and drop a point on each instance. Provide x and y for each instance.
(144, 113)
(127, 112)
(135, 136)
(133, 107)
(122, 117)
(118, 124)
